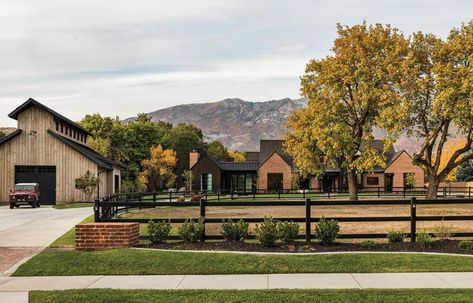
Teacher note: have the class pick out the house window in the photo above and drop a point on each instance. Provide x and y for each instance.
(275, 181)
(372, 180)
(206, 182)
(57, 126)
(409, 180)
(62, 128)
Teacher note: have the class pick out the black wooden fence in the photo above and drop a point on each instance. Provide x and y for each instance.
(108, 210)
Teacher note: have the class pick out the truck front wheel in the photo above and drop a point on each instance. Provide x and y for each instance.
(12, 205)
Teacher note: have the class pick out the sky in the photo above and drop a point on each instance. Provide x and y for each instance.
(120, 57)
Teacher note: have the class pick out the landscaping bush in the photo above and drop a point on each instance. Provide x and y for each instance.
(288, 231)
(190, 231)
(424, 239)
(267, 231)
(396, 236)
(159, 231)
(368, 244)
(443, 232)
(466, 244)
(327, 231)
(235, 231)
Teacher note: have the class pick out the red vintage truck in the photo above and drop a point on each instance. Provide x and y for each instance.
(25, 193)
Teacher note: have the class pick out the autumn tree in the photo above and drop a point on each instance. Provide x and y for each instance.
(438, 85)
(158, 170)
(218, 150)
(87, 184)
(237, 156)
(347, 92)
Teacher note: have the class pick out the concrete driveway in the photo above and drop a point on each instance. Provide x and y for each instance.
(26, 231)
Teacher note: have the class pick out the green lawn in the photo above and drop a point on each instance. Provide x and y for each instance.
(148, 262)
(68, 239)
(74, 205)
(250, 296)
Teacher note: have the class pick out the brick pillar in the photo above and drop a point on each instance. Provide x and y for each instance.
(100, 236)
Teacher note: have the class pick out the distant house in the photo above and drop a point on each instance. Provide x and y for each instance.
(49, 149)
(272, 169)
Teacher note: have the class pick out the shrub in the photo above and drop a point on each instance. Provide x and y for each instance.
(235, 231)
(424, 239)
(396, 236)
(443, 232)
(368, 244)
(288, 231)
(327, 231)
(466, 244)
(159, 231)
(267, 231)
(190, 231)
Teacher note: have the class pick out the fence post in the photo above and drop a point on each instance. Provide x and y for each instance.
(444, 192)
(303, 194)
(413, 219)
(307, 220)
(97, 211)
(218, 195)
(279, 194)
(170, 196)
(202, 216)
(154, 196)
(404, 192)
(231, 194)
(469, 192)
(328, 194)
(378, 192)
(206, 195)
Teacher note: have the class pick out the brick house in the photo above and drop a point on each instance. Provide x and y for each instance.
(272, 169)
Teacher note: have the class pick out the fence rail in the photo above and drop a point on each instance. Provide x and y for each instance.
(108, 209)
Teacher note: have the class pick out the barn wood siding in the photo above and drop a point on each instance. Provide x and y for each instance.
(43, 149)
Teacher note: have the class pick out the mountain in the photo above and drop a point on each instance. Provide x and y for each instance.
(7, 130)
(238, 124)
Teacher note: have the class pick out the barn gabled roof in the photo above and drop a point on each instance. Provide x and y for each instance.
(86, 151)
(10, 136)
(32, 102)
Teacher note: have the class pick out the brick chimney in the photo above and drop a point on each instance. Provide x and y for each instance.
(193, 158)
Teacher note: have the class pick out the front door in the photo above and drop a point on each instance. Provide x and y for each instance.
(275, 181)
(388, 182)
(328, 183)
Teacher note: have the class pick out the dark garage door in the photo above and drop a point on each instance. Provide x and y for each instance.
(44, 175)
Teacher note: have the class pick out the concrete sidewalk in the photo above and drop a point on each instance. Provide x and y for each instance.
(15, 289)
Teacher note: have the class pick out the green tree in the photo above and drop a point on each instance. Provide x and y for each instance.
(438, 88)
(87, 184)
(219, 151)
(465, 171)
(347, 92)
(183, 138)
(2, 134)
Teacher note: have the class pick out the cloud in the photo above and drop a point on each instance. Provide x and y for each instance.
(124, 57)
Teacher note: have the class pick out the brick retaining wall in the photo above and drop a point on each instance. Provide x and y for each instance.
(100, 236)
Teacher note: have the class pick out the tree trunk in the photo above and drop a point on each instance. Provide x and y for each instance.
(432, 189)
(352, 188)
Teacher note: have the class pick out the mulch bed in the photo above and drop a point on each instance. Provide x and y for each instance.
(442, 246)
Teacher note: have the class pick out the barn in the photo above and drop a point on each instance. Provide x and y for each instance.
(49, 149)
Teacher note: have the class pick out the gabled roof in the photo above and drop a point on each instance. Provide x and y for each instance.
(86, 151)
(204, 153)
(395, 156)
(32, 102)
(285, 158)
(10, 136)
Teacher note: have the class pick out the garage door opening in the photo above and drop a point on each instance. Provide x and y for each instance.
(44, 175)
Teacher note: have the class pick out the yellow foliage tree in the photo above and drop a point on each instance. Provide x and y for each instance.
(158, 170)
(237, 156)
(448, 150)
(346, 93)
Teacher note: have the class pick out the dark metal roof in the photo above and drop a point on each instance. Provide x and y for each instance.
(86, 152)
(239, 166)
(10, 136)
(32, 102)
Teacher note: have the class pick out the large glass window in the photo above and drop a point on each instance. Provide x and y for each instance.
(275, 181)
(206, 182)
